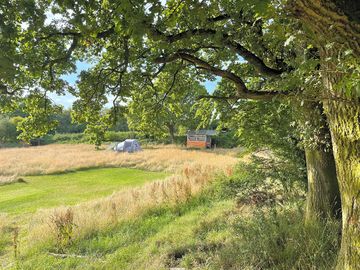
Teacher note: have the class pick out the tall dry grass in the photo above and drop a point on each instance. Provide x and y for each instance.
(61, 158)
(101, 213)
(192, 171)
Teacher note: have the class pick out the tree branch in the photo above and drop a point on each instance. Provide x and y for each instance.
(74, 34)
(249, 56)
(253, 59)
(242, 91)
(218, 18)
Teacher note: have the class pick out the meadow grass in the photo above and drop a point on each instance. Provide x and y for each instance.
(206, 215)
(191, 171)
(210, 231)
(97, 215)
(63, 158)
(47, 191)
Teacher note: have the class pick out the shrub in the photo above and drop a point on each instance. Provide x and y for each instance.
(66, 138)
(270, 232)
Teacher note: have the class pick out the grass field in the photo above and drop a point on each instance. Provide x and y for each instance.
(204, 213)
(61, 158)
(69, 188)
(210, 231)
(100, 189)
(159, 239)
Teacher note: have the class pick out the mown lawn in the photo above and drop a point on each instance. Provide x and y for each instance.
(69, 188)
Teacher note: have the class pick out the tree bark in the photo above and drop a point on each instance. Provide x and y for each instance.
(330, 22)
(344, 118)
(323, 196)
(171, 132)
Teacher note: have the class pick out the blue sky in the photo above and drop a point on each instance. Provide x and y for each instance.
(68, 99)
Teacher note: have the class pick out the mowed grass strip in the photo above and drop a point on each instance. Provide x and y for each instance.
(69, 188)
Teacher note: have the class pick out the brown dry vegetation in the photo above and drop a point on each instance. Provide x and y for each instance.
(192, 170)
(61, 158)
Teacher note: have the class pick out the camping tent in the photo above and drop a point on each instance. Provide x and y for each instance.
(129, 145)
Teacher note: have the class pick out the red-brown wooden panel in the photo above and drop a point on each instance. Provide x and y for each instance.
(200, 144)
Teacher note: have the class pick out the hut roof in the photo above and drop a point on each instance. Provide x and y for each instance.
(208, 132)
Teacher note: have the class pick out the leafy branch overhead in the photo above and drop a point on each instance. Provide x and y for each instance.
(257, 47)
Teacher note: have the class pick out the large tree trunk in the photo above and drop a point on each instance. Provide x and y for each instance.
(338, 22)
(323, 195)
(344, 120)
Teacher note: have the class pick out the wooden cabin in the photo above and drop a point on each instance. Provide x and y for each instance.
(200, 138)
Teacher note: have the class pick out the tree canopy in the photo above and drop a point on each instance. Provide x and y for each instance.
(258, 50)
(167, 104)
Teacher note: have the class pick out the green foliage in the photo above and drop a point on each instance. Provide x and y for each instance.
(278, 239)
(66, 138)
(38, 121)
(349, 68)
(120, 122)
(96, 133)
(166, 105)
(261, 124)
(65, 123)
(128, 45)
(8, 132)
(266, 175)
(97, 121)
(226, 139)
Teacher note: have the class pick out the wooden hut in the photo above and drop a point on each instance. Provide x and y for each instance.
(200, 138)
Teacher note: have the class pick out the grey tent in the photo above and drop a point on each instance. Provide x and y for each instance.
(129, 145)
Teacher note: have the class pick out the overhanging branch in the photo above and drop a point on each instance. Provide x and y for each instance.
(242, 91)
(228, 41)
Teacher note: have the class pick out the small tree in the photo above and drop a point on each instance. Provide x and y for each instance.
(170, 102)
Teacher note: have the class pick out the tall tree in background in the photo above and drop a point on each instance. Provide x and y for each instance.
(169, 103)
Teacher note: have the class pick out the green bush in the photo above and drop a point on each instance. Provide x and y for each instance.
(65, 138)
(264, 179)
(272, 233)
(179, 140)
